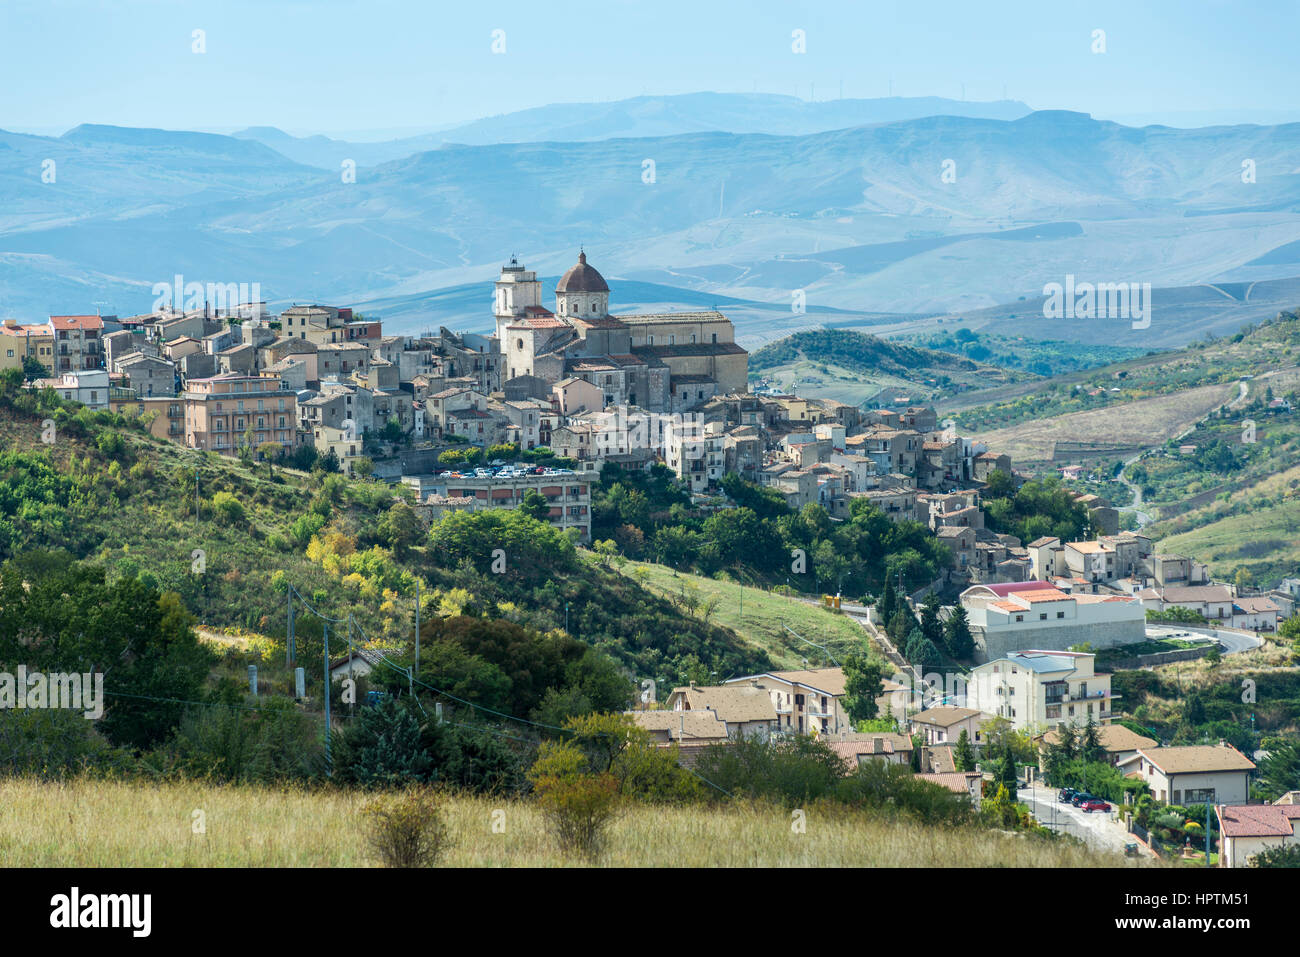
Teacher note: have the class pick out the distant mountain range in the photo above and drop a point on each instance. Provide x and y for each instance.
(873, 223)
(642, 116)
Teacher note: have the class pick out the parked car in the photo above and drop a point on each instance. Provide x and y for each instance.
(1080, 797)
(1064, 795)
(1096, 804)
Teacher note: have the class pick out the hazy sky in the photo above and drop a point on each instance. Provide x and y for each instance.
(348, 65)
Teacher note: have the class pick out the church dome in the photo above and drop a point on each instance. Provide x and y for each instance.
(582, 278)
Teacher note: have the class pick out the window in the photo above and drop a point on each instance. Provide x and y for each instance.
(1042, 616)
(1060, 614)
(1020, 617)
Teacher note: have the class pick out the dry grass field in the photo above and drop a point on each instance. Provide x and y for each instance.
(1143, 423)
(83, 823)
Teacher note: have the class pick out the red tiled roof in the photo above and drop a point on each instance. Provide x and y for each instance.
(76, 322)
(1259, 820)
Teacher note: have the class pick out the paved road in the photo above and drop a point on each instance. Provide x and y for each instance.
(1100, 830)
(1232, 641)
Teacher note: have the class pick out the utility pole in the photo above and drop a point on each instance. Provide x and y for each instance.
(329, 758)
(289, 649)
(1207, 833)
(416, 664)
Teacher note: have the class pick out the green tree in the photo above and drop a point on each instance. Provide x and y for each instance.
(1279, 772)
(401, 529)
(957, 636)
(383, 747)
(963, 754)
(60, 615)
(863, 684)
(535, 505)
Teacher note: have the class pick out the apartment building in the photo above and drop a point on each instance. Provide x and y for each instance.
(1040, 690)
(168, 414)
(78, 343)
(219, 410)
(1017, 616)
(18, 342)
(804, 701)
(568, 493)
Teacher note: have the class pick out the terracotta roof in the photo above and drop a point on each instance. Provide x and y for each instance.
(956, 781)
(1259, 820)
(76, 322)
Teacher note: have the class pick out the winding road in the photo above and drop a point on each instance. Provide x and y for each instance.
(1145, 518)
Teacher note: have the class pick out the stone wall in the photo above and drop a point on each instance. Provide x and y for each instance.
(1057, 638)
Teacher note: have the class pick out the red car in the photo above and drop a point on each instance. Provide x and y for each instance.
(1096, 805)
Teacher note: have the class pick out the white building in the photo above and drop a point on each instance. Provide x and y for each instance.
(1194, 774)
(1245, 830)
(1018, 616)
(1039, 690)
(87, 386)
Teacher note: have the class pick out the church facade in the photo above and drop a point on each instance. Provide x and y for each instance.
(665, 362)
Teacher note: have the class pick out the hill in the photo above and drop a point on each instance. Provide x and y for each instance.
(639, 116)
(1174, 425)
(112, 495)
(856, 367)
(862, 218)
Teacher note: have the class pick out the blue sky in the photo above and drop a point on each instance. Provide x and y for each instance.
(343, 66)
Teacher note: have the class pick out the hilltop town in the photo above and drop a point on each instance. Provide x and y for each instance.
(469, 421)
(994, 619)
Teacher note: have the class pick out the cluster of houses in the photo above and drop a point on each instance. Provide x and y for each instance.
(596, 388)
(1038, 691)
(591, 386)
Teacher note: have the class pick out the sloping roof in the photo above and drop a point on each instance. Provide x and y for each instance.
(1197, 759)
(681, 725)
(942, 758)
(827, 680)
(871, 746)
(1258, 820)
(1112, 737)
(733, 704)
(944, 717)
(956, 781)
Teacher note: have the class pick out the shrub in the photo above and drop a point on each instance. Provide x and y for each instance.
(407, 829)
(578, 807)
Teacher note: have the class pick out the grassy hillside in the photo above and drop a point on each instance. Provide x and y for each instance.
(109, 493)
(757, 616)
(82, 823)
(1265, 542)
(854, 366)
(1272, 346)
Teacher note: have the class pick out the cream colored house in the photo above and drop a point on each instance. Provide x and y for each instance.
(747, 710)
(1246, 830)
(944, 725)
(804, 701)
(1038, 690)
(1193, 774)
